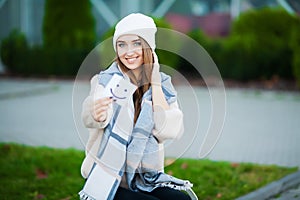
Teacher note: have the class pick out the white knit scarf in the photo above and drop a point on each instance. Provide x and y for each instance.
(130, 148)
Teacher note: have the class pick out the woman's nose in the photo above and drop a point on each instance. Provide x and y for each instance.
(130, 51)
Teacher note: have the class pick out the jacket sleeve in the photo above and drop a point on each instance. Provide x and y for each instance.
(168, 123)
(87, 107)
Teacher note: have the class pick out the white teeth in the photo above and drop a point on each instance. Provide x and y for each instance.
(131, 60)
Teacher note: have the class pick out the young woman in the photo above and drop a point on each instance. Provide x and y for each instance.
(124, 153)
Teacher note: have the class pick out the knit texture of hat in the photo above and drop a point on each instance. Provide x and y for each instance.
(137, 24)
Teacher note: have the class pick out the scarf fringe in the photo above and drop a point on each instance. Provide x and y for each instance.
(186, 187)
(84, 196)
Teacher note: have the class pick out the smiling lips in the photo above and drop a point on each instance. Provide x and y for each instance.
(131, 60)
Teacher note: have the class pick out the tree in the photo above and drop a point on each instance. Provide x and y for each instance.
(68, 24)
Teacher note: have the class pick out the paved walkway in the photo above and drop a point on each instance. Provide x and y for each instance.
(260, 127)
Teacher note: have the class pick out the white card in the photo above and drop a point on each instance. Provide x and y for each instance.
(118, 88)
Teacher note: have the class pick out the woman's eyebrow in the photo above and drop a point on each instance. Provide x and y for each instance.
(137, 40)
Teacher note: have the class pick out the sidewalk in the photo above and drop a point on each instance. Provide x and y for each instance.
(260, 127)
(287, 188)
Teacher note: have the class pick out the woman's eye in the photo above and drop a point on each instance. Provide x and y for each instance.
(137, 44)
(121, 45)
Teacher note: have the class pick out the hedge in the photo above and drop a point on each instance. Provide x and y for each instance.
(294, 44)
(262, 44)
(13, 50)
(24, 60)
(258, 46)
(68, 24)
(68, 35)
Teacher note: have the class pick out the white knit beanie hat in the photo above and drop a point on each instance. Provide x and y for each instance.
(137, 24)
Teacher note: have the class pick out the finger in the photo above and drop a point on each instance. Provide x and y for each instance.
(97, 116)
(104, 101)
(98, 113)
(101, 116)
(98, 108)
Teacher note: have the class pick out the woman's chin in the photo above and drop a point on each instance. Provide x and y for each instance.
(132, 66)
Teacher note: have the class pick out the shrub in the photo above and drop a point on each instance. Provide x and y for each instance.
(61, 62)
(13, 51)
(211, 46)
(68, 24)
(199, 36)
(295, 45)
(165, 38)
(66, 41)
(258, 45)
(237, 61)
(68, 35)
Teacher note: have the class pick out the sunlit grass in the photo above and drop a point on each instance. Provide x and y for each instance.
(225, 180)
(47, 173)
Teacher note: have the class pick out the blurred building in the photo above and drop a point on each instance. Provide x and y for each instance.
(213, 16)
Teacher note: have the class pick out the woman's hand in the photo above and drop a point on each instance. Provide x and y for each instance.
(99, 108)
(155, 77)
(158, 98)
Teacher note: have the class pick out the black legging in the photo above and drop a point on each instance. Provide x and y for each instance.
(163, 193)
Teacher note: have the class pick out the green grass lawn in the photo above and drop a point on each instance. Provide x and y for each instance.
(46, 173)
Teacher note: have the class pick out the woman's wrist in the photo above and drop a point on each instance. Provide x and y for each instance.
(157, 84)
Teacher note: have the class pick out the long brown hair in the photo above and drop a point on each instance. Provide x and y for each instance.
(145, 80)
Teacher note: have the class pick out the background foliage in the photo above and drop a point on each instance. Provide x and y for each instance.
(68, 35)
(13, 49)
(258, 46)
(262, 44)
(68, 25)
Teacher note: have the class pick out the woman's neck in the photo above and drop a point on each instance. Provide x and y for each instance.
(137, 73)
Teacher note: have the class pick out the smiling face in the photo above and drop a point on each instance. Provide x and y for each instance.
(130, 52)
(139, 68)
(119, 93)
(120, 89)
